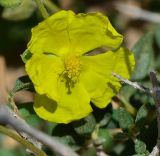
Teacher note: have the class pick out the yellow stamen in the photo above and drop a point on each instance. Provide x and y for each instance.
(72, 68)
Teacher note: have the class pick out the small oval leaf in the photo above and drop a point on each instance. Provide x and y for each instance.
(85, 126)
(144, 55)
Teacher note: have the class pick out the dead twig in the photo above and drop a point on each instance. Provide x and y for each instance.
(7, 118)
(155, 93)
(133, 84)
(137, 13)
(156, 96)
(155, 151)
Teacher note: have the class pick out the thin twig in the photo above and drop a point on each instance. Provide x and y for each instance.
(3, 88)
(155, 151)
(21, 140)
(136, 12)
(155, 92)
(156, 96)
(11, 101)
(42, 9)
(127, 105)
(133, 84)
(7, 118)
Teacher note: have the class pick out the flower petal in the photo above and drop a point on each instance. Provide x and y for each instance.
(102, 66)
(97, 87)
(70, 107)
(51, 35)
(91, 31)
(44, 71)
(66, 32)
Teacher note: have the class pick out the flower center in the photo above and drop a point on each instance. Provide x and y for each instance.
(72, 68)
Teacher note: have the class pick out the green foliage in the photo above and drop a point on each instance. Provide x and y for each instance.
(140, 148)
(27, 112)
(85, 126)
(9, 152)
(23, 11)
(26, 109)
(106, 139)
(127, 92)
(123, 117)
(142, 114)
(157, 41)
(23, 83)
(157, 35)
(6, 152)
(26, 55)
(89, 152)
(144, 54)
(69, 141)
(65, 134)
(10, 3)
(105, 120)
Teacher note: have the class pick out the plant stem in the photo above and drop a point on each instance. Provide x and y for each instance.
(7, 117)
(42, 9)
(51, 6)
(156, 96)
(127, 105)
(24, 142)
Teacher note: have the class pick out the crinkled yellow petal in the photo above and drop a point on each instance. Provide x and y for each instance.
(44, 71)
(93, 30)
(95, 85)
(71, 106)
(99, 89)
(121, 62)
(51, 35)
(65, 32)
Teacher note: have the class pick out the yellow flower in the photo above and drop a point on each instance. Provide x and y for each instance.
(65, 76)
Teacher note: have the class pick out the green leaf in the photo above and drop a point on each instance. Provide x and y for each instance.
(127, 91)
(85, 126)
(49, 127)
(105, 138)
(10, 3)
(24, 112)
(105, 120)
(26, 55)
(22, 83)
(26, 109)
(68, 140)
(141, 116)
(89, 152)
(123, 117)
(21, 12)
(140, 148)
(157, 41)
(144, 55)
(65, 134)
(157, 35)
(27, 112)
(63, 130)
(34, 120)
(143, 98)
(6, 152)
(121, 137)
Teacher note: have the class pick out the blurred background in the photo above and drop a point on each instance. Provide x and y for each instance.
(138, 21)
